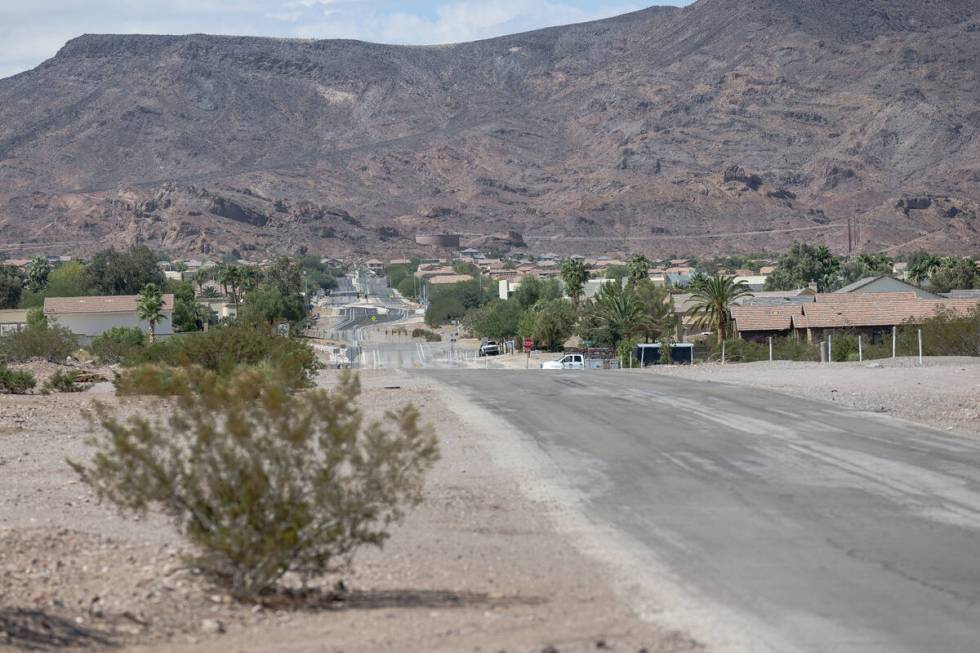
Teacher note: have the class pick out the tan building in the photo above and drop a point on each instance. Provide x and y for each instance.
(92, 316)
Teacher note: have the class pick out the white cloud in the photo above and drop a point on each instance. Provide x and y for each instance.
(32, 32)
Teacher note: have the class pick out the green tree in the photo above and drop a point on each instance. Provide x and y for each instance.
(865, 265)
(112, 272)
(574, 274)
(617, 272)
(658, 308)
(68, 280)
(553, 323)
(804, 264)
(531, 290)
(638, 268)
(11, 287)
(263, 481)
(498, 319)
(267, 304)
(200, 278)
(188, 314)
(37, 273)
(149, 307)
(921, 265)
(711, 302)
(954, 273)
(285, 274)
(619, 312)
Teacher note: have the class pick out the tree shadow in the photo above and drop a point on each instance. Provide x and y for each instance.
(35, 630)
(313, 599)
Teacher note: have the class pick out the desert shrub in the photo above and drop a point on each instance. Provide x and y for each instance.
(950, 334)
(119, 344)
(263, 481)
(38, 339)
(844, 348)
(157, 380)
(15, 382)
(66, 381)
(224, 349)
(430, 336)
(783, 349)
(626, 353)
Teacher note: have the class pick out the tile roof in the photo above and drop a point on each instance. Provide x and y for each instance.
(874, 311)
(98, 304)
(449, 279)
(766, 318)
(840, 298)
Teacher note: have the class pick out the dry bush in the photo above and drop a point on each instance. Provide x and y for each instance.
(263, 481)
(66, 381)
(15, 382)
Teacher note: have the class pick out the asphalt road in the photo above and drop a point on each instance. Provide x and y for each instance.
(823, 528)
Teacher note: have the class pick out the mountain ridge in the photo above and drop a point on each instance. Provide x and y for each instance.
(650, 131)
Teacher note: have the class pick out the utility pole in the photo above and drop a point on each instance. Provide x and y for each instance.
(850, 235)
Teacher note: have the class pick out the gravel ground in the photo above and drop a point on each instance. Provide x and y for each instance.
(476, 568)
(943, 393)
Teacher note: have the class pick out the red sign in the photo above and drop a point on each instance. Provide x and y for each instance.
(528, 344)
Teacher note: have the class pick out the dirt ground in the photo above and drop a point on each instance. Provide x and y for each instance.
(943, 393)
(476, 568)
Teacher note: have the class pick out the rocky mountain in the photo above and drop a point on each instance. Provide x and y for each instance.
(728, 125)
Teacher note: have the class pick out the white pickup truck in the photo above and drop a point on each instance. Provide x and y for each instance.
(568, 362)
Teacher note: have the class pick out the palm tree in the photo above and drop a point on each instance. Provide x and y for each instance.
(712, 299)
(149, 307)
(200, 278)
(574, 274)
(658, 309)
(230, 278)
(37, 273)
(921, 266)
(638, 268)
(620, 311)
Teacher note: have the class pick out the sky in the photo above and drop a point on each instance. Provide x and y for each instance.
(33, 30)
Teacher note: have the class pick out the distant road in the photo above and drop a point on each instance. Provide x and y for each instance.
(789, 525)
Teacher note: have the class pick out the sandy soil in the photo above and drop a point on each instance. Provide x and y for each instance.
(944, 392)
(476, 568)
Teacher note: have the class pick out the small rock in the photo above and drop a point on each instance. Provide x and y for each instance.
(601, 645)
(212, 626)
(550, 649)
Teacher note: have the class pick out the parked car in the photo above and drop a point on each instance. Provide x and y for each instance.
(568, 362)
(489, 348)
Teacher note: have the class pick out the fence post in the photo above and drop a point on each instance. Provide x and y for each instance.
(894, 339)
(830, 348)
(722, 352)
(860, 351)
(770, 349)
(920, 346)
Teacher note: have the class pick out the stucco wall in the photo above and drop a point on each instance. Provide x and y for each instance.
(88, 325)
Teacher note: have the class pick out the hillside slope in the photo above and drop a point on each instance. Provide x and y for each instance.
(726, 125)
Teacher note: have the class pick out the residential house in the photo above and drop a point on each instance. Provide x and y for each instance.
(429, 272)
(448, 279)
(753, 281)
(885, 284)
(813, 318)
(12, 319)
(374, 265)
(91, 316)
(688, 328)
(760, 321)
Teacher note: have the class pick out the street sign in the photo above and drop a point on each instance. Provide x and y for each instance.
(528, 344)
